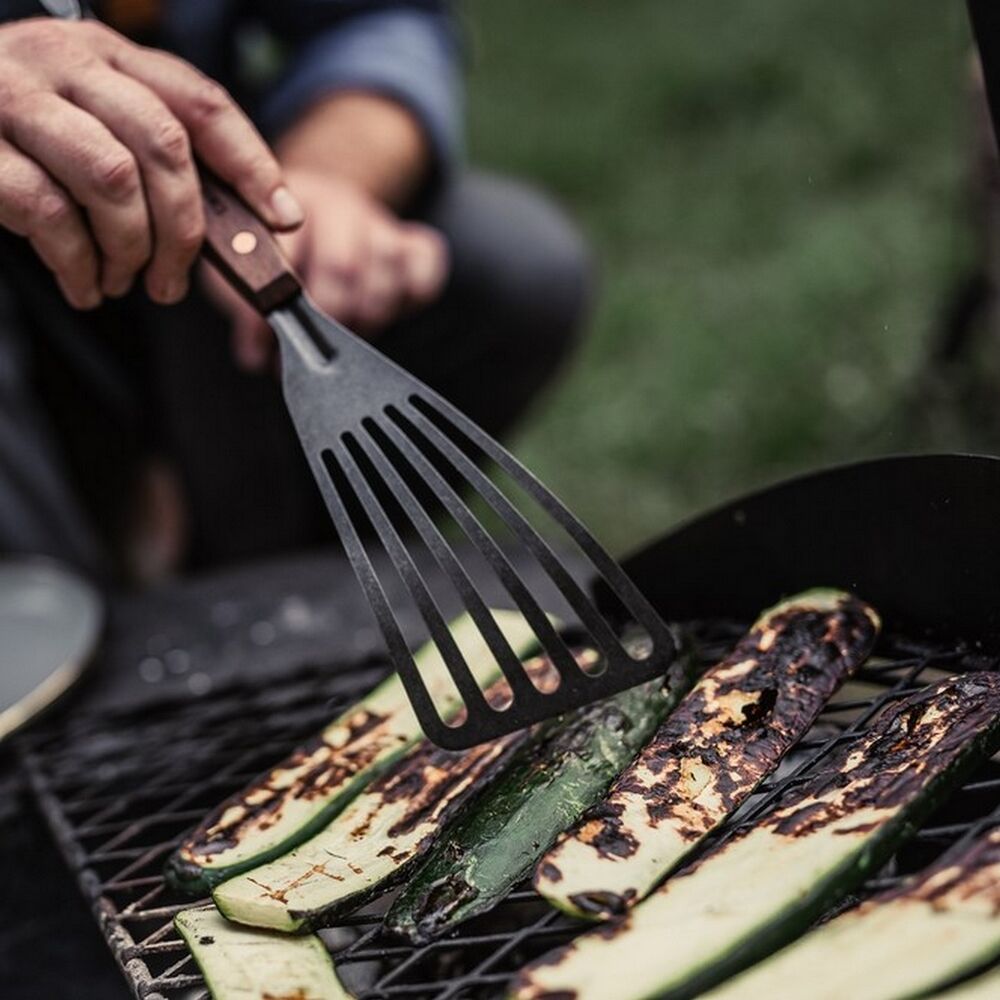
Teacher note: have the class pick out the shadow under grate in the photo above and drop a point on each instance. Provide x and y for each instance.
(119, 791)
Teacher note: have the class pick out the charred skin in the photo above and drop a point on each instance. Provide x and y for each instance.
(327, 769)
(765, 885)
(495, 844)
(902, 943)
(709, 755)
(299, 796)
(372, 843)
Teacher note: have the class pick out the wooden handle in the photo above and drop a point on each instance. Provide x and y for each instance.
(244, 249)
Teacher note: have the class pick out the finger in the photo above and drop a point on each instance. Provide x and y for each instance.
(334, 259)
(33, 205)
(159, 142)
(98, 171)
(221, 134)
(382, 290)
(425, 264)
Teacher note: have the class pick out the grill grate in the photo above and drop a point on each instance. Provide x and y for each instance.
(119, 791)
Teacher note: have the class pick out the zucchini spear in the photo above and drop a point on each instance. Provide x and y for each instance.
(710, 754)
(766, 884)
(375, 840)
(299, 796)
(903, 943)
(243, 964)
(984, 987)
(495, 844)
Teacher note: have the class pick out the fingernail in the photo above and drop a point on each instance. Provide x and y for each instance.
(287, 211)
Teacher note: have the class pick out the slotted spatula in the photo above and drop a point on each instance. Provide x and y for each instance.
(390, 457)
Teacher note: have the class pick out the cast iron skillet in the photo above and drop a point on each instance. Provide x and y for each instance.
(917, 536)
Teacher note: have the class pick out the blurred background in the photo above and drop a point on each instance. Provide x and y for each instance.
(784, 202)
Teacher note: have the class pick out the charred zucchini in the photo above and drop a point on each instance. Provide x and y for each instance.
(495, 844)
(729, 732)
(299, 796)
(903, 943)
(370, 845)
(243, 964)
(766, 884)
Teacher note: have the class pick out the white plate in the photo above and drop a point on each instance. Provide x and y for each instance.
(50, 621)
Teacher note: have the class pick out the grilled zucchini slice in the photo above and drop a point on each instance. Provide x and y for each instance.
(903, 943)
(370, 845)
(984, 987)
(243, 964)
(496, 843)
(298, 797)
(729, 732)
(766, 884)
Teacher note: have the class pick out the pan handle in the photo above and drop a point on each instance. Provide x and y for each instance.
(244, 250)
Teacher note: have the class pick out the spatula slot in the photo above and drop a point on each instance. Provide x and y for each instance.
(425, 455)
(467, 447)
(303, 334)
(354, 524)
(381, 463)
(432, 438)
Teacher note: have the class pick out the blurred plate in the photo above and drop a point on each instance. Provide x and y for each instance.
(50, 621)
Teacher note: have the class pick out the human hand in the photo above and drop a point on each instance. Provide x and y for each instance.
(357, 260)
(97, 137)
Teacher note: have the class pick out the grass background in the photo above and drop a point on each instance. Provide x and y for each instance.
(777, 195)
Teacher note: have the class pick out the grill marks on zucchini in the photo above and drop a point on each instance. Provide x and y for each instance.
(729, 732)
(388, 826)
(765, 885)
(299, 796)
(902, 943)
(371, 843)
(497, 842)
(243, 964)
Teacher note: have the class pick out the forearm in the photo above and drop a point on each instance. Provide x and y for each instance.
(364, 138)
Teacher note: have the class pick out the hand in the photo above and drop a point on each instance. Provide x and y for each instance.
(357, 260)
(96, 168)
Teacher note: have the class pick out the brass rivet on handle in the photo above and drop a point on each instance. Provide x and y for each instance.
(244, 242)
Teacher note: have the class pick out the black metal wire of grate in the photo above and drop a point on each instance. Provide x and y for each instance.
(120, 791)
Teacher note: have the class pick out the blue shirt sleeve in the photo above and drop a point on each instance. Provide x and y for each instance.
(406, 53)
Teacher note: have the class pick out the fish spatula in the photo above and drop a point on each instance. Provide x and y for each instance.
(394, 463)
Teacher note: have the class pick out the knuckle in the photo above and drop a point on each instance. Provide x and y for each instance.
(129, 248)
(340, 273)
(52, 210)
(133, 247)
(209, 101)
(190, 235)
(116, 174)
(169, 144)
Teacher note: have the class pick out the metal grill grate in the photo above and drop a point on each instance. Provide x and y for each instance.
(119, 791)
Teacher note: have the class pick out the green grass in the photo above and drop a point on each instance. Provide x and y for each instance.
(776, 196)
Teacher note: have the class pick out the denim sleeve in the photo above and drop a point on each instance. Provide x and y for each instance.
(405, 53)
